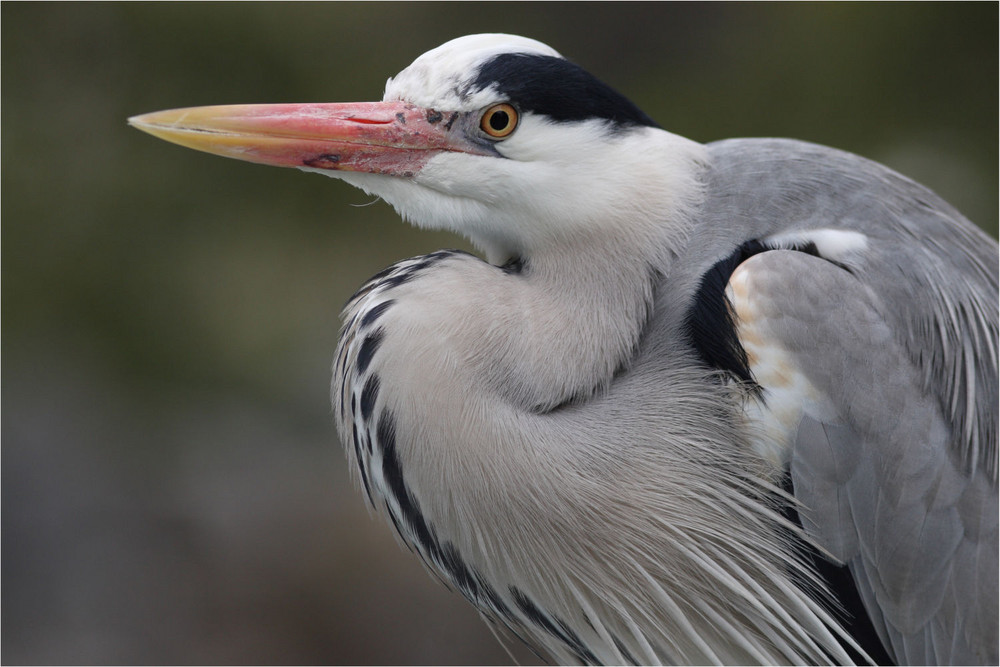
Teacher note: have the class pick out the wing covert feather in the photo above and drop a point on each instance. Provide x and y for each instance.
(877, 465)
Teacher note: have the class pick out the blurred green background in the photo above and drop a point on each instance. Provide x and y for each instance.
(173, 490)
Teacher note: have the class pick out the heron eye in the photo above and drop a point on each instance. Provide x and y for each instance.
(499, 120)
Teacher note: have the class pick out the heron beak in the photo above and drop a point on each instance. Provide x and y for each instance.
(392, 138)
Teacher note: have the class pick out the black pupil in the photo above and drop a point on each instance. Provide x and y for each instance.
(499, 120)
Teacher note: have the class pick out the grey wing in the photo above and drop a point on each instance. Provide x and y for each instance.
(891, 449)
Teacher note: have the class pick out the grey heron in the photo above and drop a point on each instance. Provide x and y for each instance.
(700, 403)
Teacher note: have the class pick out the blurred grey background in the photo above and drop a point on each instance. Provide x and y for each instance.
(173, 490)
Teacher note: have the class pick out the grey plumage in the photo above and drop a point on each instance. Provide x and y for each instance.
(864, 484)
(904, 488)
(586, 434)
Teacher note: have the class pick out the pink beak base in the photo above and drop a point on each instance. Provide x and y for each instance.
(392, 138)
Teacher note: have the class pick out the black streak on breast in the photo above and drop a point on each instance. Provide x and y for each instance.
(514, 266)
(368, 349)
(361, 466)
(368, 396)
(559, 629)
(376, 312)
(445, 556)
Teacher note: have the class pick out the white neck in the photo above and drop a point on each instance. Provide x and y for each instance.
(569, 325)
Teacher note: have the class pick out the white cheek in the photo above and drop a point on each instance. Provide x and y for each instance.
(459, 175)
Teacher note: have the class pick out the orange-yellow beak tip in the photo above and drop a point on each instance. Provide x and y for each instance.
(378, 137)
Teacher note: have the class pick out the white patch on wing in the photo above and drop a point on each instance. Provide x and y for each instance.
(838, 245)
(773, 418)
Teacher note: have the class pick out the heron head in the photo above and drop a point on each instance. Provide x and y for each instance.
(496, 137)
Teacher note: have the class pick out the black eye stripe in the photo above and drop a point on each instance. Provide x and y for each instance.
(557, 88)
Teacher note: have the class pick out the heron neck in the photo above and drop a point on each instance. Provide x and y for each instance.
(583, 300)
(575, 320)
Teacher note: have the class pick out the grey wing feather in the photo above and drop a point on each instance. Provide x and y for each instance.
(934, 272)
(901, 485)
(882, 484)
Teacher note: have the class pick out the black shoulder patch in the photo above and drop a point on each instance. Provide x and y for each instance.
(710, 323)
(557, 88)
